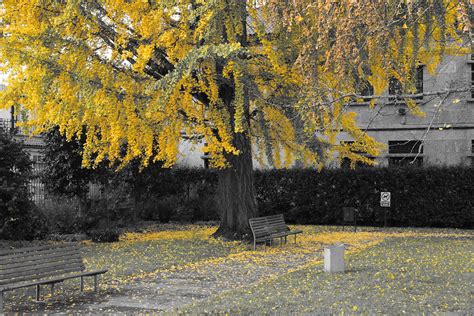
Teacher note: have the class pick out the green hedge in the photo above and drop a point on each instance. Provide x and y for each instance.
(439, 197)
(430, 197)
(423, 197)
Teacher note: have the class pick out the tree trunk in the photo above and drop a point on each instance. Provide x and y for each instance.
(236, 193)
(236, 190)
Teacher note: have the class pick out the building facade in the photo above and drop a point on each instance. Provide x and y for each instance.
(444, 136)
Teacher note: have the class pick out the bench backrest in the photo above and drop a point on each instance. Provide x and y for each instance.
(258, 226)
(33, 263)
(276, 223)
(264, 226)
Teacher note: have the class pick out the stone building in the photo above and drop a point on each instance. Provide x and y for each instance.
(445, 136)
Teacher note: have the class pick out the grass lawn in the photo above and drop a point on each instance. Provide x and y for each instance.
(181, 270)
(411, 275)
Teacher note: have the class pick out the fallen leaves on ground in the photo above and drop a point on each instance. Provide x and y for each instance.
(166, 270)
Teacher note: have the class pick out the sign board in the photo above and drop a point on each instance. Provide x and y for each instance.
(385, 199)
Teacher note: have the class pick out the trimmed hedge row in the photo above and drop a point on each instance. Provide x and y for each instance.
(430, 197)
(435, 197)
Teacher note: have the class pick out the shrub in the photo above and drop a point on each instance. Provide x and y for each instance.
(433, 197)
(19, 218)
(104, 235)
(165, 208)
(62, 216)
(436, 196)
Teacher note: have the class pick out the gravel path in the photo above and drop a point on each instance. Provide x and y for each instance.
(171, 290)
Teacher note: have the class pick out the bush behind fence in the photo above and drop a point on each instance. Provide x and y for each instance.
(423, 197)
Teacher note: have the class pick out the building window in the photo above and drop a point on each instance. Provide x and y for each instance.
(405, 153)
(395, 88)
(419, 83)
(366, 90)
(205, 158)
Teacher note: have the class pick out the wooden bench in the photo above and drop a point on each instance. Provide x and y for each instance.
(44, 265)
(267, 228)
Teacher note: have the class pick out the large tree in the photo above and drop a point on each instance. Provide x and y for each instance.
(264, 79)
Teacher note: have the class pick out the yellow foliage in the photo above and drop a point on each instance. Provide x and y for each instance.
(138, 74)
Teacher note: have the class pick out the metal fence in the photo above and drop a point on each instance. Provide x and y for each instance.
(38, 191)
(36, 186)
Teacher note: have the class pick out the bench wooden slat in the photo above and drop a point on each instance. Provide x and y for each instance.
(54, 247)
(26, 269)
(15, 253)
(258, 224)
(5, 264)
(38, 276)
(262, 233)
(33, 253)
(259, 228)
(54, 268)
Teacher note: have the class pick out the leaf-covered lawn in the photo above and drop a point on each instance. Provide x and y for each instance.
(182, 269)
(136, 255)
(410, 275)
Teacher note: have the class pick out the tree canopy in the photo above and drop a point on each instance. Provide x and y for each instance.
(270, 80)
(140, 74)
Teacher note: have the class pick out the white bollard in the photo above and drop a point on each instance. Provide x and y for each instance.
(334, 258)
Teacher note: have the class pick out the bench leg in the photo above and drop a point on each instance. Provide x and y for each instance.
(254, 245)
(82, 284)
(295, 238)
(38, 292)
(95, 283)
(52, 289)
(1, 302)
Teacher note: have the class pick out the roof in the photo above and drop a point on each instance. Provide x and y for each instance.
(31, 141)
